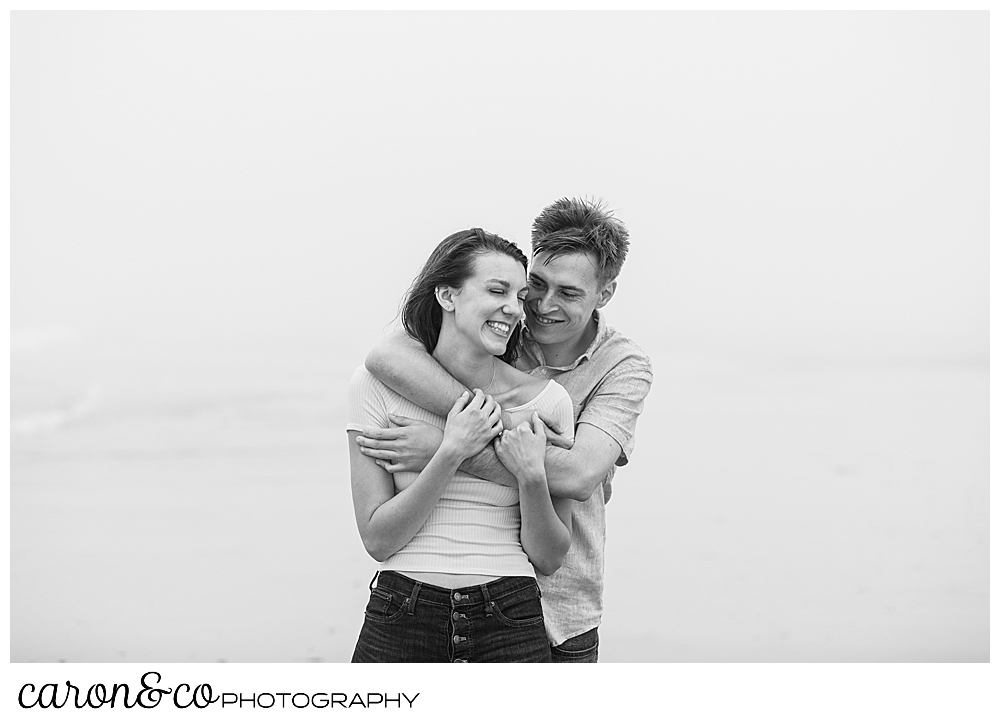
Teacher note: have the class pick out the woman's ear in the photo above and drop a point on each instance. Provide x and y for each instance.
(444, 295)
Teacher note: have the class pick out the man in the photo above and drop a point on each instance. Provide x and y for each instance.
(578, 249)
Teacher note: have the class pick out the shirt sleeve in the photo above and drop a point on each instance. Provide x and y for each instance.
(366, 403)
(617, 402)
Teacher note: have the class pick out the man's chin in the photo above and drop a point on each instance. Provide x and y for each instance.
(542, 332)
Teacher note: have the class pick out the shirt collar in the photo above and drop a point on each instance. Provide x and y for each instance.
(536, 351)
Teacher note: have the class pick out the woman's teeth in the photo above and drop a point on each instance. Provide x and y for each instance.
(499, 327)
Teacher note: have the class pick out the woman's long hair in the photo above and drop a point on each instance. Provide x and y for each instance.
(450, 264)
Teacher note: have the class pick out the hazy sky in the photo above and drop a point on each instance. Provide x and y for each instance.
(804, 185)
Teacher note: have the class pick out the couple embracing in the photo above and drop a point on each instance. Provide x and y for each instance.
(484, 437)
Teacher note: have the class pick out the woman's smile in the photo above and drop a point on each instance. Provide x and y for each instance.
(501, 328)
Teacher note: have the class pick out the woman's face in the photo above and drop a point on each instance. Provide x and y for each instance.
(491, 302)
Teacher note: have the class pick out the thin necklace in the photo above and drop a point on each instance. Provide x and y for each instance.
(494, 376)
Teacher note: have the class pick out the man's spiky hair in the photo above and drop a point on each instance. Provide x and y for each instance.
(575, 225)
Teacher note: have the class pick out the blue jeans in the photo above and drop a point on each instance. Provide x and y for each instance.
(412, 622)
(579, 649)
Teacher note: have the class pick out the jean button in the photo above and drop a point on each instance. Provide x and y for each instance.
(455, 616)
(458, 596)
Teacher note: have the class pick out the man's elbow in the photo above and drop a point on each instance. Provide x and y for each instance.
(579, 487)
(548, 569)
(551, 557)
(375, 362)
(551, 563)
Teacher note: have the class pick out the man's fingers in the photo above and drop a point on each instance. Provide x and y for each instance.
(390, 467)
(400, 421)
(379, 433)
(536, 424)
(551, 422)
(377, 454)
(365, 442)
(557, 440)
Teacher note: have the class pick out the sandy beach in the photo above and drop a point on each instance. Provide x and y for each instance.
(196, 508)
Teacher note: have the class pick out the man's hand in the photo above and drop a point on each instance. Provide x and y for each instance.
(553, 432)
(406, 448)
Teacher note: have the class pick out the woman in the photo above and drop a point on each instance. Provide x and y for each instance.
(456, 581)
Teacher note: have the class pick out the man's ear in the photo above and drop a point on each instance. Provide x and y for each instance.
(444, 295)
(606, 293)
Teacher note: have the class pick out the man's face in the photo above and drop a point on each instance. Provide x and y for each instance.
(562, 295)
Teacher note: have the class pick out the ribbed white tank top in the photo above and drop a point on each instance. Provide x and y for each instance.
(475, 526)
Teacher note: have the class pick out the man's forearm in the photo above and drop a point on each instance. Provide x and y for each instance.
(487, 465)
(403, 365)
(565, 477)
(569, 475)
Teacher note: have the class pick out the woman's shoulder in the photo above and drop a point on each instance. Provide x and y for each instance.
(364, 382)
(537, 393)
(521, 388)
(365, 387)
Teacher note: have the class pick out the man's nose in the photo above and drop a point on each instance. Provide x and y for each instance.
(545, 303)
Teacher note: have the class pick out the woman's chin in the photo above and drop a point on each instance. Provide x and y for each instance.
(494, 344)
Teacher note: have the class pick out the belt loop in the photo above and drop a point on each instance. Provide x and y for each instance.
(489, 603)
(372, 585)
(411, 602)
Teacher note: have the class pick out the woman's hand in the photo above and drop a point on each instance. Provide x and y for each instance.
(522, 450)
(472, 423)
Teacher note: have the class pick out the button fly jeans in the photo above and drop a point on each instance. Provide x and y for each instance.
(412, 622)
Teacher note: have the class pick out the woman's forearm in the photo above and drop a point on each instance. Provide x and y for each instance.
(544, 536)
(395, 522)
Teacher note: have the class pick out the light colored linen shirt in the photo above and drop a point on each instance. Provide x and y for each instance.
(608, 384)
(475, 527)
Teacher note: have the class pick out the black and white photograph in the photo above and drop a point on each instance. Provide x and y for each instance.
(577, 336)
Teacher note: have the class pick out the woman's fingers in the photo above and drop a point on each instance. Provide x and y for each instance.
(459, 404)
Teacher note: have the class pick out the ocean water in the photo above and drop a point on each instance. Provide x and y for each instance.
(189, 502)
